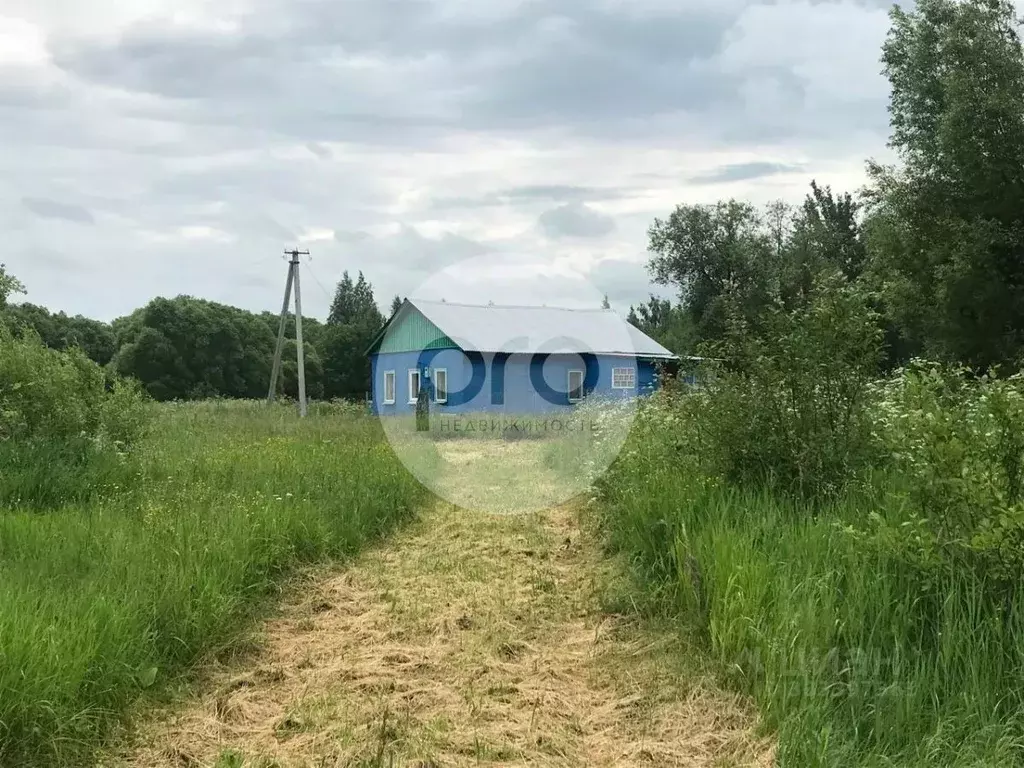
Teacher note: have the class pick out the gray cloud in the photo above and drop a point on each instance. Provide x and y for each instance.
(51, 258)
(277, 79)
(53, 209)
(270, 228)
(420, 253)
(414, 72)
(342, 236)
(625, 282)
(597, 69)
(209, 140)
(744, 172)
(594, 68)
(399, 260)
(575, 220)
(562, 192)
(533, 193)
(319, 150)
(403, 261)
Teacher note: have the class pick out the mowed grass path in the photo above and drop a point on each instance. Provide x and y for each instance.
(467, 639)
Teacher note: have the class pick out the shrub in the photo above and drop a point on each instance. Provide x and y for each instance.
(788, 406)
(956, 444)
(63, 434)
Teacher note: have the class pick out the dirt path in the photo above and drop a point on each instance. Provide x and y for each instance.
(469, 639)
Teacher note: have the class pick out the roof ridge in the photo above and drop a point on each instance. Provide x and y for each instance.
(509, 306)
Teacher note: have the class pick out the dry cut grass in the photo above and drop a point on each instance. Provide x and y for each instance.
(470, 639)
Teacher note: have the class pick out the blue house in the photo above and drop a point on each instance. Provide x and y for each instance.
(516, 360)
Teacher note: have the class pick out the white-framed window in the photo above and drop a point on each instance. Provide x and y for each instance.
(389, 387)
(623, 378)
(575, 386)
(414, 384)
(440, 385)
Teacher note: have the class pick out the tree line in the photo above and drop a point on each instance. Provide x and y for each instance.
(189, 348)
(934, 243)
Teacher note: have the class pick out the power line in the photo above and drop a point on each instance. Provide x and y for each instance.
(327, 294)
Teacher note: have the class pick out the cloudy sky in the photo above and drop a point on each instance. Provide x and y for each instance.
(160, 147)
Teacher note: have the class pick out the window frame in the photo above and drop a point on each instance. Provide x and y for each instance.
(437, 399)
(394, 388)
(632, 376)
(413, 393)
(583, 381)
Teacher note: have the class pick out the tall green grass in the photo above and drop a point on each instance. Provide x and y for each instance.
(856, 655)
(168, 557)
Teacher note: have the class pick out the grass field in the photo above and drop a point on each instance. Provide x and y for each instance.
(109, 600)
(856, 653)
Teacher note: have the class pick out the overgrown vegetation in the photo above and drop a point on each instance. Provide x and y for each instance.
(877, 621)
(789, 403)
(839, 522)
(134, 537)
(64, 435)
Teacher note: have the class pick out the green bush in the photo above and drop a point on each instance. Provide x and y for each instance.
(788, 405)
(956, 445)
(64, 435)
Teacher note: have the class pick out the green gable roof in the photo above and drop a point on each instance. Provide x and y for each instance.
(410, 331)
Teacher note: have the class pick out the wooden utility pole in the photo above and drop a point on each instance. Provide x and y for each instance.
(293, 279)
(280, 336)
(299, 351)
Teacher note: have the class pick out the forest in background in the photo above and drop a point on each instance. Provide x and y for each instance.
(186, 348)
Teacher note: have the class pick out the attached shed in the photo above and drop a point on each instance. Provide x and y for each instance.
(473, 359)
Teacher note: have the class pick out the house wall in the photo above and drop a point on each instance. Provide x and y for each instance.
(501, 383)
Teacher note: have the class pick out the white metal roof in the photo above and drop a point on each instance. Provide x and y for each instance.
(520, 329)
